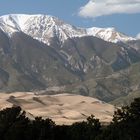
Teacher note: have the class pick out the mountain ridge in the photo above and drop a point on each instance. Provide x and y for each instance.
(41, 27)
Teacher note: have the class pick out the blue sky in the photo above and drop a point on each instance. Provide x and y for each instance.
(124, 15)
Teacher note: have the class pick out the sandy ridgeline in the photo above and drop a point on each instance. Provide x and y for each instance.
(61, 108)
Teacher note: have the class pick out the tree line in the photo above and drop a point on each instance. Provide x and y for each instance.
(15, 125)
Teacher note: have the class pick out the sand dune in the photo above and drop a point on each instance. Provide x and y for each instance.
(61, 108)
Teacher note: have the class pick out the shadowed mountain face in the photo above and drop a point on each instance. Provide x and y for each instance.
(27, 64)
(84, 65)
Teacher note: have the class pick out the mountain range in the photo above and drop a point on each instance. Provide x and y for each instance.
(45, 27)
(42, 52)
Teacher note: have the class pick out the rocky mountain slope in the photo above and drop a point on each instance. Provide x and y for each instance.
(41, 52)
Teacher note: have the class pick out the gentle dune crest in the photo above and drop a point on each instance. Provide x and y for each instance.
(61, 108)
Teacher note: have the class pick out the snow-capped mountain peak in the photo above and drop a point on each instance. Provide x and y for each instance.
(13, 22)
(41, 27)
(45, 27)
(109, 34)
